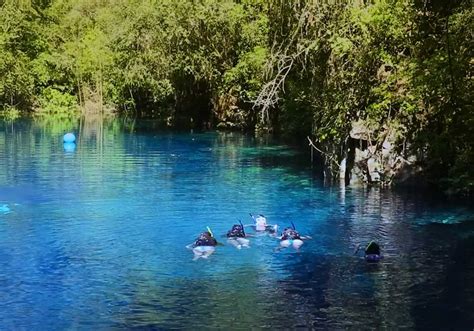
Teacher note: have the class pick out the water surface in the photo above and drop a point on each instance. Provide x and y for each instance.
(95, 238)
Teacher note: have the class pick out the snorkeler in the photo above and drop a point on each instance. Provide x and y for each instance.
(262, 226)
(291, 237)
(371, 253)
(204, 245)
(236, 236)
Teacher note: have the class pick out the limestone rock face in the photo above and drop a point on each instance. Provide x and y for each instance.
(359, 131)
(371, 160)
(342, 169)
(373, 169)
(380, 156)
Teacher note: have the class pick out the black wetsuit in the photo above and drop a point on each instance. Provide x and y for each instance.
(236, 232)
(290, 234)
(372, 249)
(205, 240)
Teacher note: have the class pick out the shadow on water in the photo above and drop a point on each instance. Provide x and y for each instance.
(445, 296)
(208, 303)
(425, 281)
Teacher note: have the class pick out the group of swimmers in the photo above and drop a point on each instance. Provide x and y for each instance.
(205, 244)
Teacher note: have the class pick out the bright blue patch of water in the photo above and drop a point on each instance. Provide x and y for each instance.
(4, 209)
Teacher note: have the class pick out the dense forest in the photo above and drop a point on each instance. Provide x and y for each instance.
(382, 89)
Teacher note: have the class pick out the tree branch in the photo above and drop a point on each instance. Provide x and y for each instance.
(330, 157)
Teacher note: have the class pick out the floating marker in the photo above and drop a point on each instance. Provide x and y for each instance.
(69, 138)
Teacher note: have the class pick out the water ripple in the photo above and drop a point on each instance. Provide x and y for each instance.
(96, 239)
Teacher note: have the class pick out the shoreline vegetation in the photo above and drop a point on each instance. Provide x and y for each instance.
(381, 90)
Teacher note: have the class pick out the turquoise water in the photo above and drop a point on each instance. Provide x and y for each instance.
(94, 238)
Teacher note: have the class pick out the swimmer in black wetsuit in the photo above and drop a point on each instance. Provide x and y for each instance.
(236, 237)
(204, 245)
(372, 252)
(291, 237)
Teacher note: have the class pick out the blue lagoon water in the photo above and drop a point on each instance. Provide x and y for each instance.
(94, 238)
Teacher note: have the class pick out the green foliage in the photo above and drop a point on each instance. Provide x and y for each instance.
(396, 65)
(246, 78)
(403, 65)
(9, 113)
(18, 46)
(55, 102)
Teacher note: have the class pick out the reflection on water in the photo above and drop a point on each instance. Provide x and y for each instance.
(95, 237)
